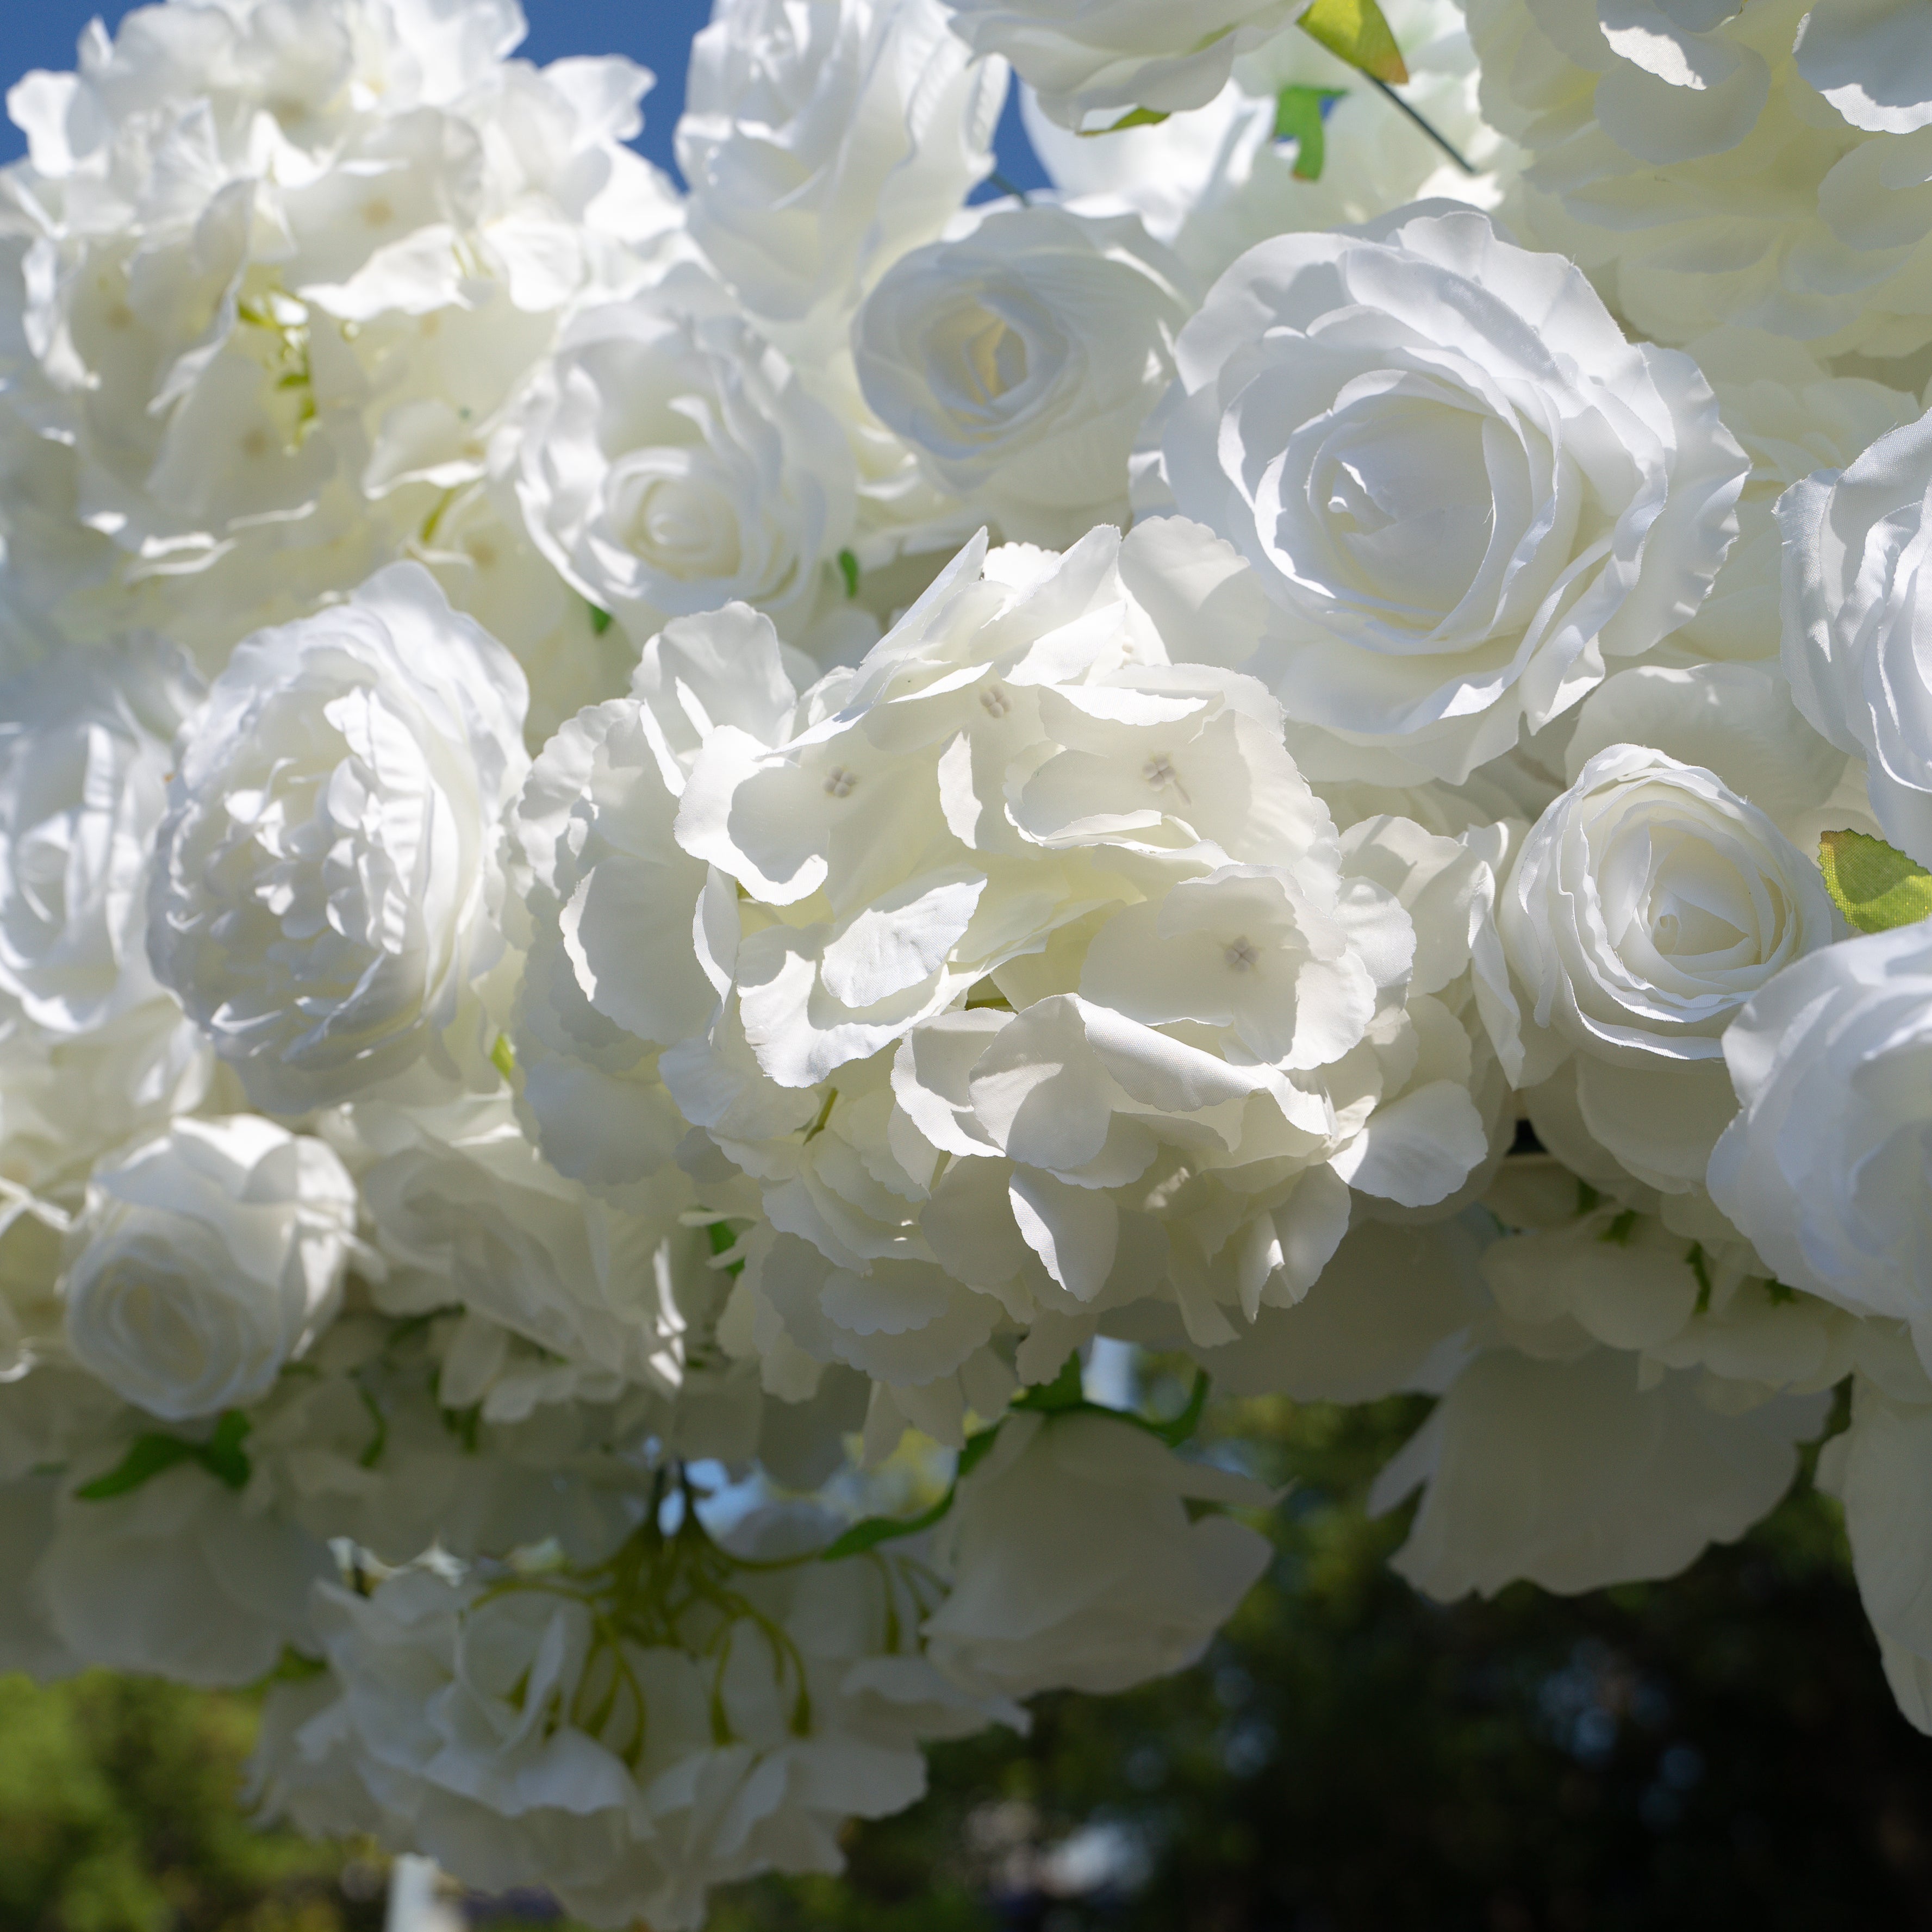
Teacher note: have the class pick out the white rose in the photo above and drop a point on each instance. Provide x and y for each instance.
(1465, 490)
(1021, 360)
(1575, 1474)
(822, 140)
(1091, 61)
(1074, 1564)
(671, 462)
(1645, 906)
(84, 754)
(1857, 620)
(1832, 1062)
(205, 1261)
(328, 882)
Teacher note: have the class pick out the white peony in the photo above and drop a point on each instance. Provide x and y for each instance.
(1075, 1565)
(1466, 493)
(1020, 361)
(822, 140)
(85, 744)
(670, 461)
(327, 884)
(1817, 1169)
(1093, 61)
(1858, 615)
(206, 1261)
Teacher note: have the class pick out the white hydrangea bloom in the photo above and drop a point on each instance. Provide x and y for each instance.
(206, 1261)
(265, 286)
(823, 139)
(1092, 60)
(1870, 59)
(1074, 1564)
(1467, 494)
(328, 885)
(622, 1742)
(1021, 360)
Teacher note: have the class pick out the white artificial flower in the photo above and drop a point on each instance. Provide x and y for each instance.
(1468, 495)
(1213, 182)
(1816, 1168)
(1858, 613)
(1645, 908)
(1093, 61)
(1020, 361)
(85, 745)
(627, 1745)
(1074, 1564)
(1650, 123)
(270, 284)
(206, 1261)
(1870, 59)
(670, 461)
(463, 1209)
(328, 885)
(823, 139)
(1572, 1473)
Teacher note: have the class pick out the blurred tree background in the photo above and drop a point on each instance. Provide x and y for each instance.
(1721, 1750)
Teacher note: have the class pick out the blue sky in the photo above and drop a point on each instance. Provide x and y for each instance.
(41, 33)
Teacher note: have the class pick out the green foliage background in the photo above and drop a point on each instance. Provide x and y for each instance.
(1719, 1750)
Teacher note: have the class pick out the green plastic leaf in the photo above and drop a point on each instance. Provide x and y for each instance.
(848, 568)
(1355, 30)
(503, 1057)
(1065, 1391)
(1139, 117)
(601, 620)
(222, 1456)
(1297, 117)
(1873, 884)
(147, 1457)
(875, 1530)
(1183, 1425)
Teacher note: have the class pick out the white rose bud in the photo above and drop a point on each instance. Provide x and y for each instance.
(1823, 1168)
(1857, 620)
(1021, 361)
(204, 1261)
(1463, 488)
(328, 882)
(1094, 60)
(85, 743)
(1075, 1564)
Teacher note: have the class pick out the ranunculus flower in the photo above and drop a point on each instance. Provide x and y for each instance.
(671, 462)
(85, 741)
(1074, 1566)
(1021, 360)
(1468, 495)
(327, 881)
(206, 1260)
(1092, 60)
(1857, 620)
(1824, 1167)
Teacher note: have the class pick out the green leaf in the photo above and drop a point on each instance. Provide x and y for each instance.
(848, 568)
(601, 620)
(1174, 1433)
(222, 1456)
(875, 1530)
(1297, 117)
(1618, 1233)
(1700, 1267)
(147, 1457)
(1139, 117)
(1355, 30)
(722, 1242)
(503, 1057)
(1874, 885)
(1065, 1391)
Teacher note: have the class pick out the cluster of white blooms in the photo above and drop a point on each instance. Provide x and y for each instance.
(663, 846)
